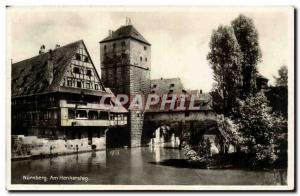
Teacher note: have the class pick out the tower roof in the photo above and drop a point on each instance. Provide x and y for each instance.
(127, 31)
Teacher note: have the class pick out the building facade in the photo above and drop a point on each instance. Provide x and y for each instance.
(57, 96)
(125, 68)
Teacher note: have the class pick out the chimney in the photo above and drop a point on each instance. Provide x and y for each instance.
(50, 67)
(110, 33)
(42, 49)
(128, 21)
(57, 46)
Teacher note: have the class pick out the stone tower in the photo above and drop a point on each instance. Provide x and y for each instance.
(125, 68)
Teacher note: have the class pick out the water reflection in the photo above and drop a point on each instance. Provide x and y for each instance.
(135, 166)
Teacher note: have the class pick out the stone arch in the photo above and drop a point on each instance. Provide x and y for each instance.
(160, 132)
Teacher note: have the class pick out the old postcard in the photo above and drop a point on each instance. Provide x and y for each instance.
(150, 98)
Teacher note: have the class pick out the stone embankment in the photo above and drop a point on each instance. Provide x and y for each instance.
(31, 146)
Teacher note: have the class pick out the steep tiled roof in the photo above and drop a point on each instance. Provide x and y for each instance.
(125, 32)
(171, 86)
(164, 86)
(29, 76)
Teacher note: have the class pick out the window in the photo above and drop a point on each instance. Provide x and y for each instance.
(153, 92)
(76, 70)
(114, 46)
(81, 114)
(154, 86)
(172, 85)
(103, 115)
(141, 58)
(96, 87)
(78, 57)
(69, 82)
(88, 85)
(146, 59)
(107, 101)
(123, 44)
(145, 47)
(45, 116)
(170, 91)
(86, 59)
(54, 114)
(78, 84)
(89, 72)
(186, 114)
(105, 51)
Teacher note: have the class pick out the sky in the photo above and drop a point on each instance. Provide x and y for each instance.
(179, 37)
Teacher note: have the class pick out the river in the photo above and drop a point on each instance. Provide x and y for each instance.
(133, 166)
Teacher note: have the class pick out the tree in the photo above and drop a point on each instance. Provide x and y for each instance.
(259, 128)
(282, 80)
(278, 98)
(224, 58)
(229, 131)
(204, 148)
(247, 38)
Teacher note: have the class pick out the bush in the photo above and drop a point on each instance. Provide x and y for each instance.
(260, 128)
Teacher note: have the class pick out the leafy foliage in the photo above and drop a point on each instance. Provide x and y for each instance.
(229, 130)
(259, 128)
(247, 38)
(225, 59)
(278, 98)
(282, 80)
(247, 118)
(204, 148)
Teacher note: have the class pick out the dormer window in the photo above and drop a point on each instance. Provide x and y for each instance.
(78, 57)
(86, 59)
(76, 70)
(89, 72)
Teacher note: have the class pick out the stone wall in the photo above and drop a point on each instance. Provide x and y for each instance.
(31, 146)
(136, 122)
(140, 54)
(125, 68)
(180, 116)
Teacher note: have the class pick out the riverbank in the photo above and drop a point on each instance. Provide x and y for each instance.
(136, 166)
(31, 147)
